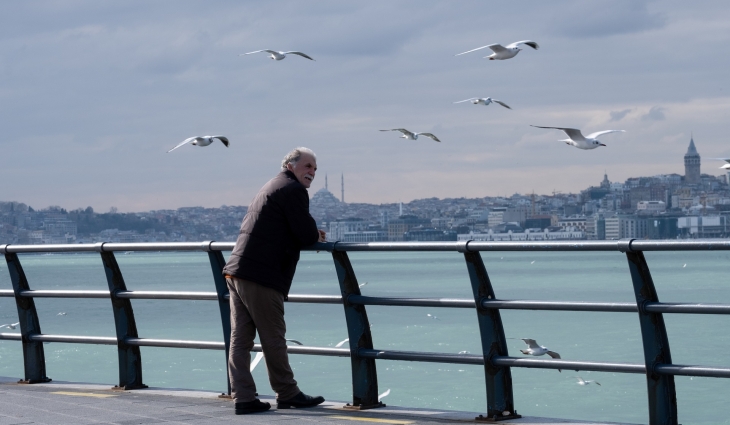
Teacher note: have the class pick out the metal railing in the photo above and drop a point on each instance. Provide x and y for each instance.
(657, 367)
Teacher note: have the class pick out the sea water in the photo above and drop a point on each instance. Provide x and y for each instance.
(557, 276)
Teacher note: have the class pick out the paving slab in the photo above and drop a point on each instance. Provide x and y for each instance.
(90, 404)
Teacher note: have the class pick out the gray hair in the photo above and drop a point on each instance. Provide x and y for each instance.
(294, 156)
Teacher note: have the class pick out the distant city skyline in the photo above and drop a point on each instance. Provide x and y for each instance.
(93, 95)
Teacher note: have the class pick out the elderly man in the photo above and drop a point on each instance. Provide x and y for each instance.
(259, 274)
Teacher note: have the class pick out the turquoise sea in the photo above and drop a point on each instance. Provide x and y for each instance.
(679, 276)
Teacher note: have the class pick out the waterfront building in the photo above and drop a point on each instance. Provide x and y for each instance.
(398, 227)
(429, 235)
(338, 229)
(703, 226)
(651, 207)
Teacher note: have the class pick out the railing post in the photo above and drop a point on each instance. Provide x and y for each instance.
(217, 262)
(661, 390)
(364, 375)
(34, 359)
(500, 401)
(130, 358)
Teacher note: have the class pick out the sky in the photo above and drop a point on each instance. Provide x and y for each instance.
(93, 95)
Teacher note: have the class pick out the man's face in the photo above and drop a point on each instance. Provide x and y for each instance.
(304, 169)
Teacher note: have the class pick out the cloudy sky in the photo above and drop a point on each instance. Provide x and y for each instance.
(93, 94)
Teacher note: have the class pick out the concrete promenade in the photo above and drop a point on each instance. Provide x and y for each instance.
(73, 403)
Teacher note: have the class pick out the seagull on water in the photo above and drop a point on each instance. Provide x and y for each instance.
(535, 349)
(63, 313)
(201, 141)
(581, 381)
(413, 136)
(484, 101)
(576, 138)
(277, 56)
(385, 394)
(341, 343)
(10, 325)
(503, 52)
(362, 284)
(432, 316)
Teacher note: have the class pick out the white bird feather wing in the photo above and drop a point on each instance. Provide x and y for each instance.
(498, 48)
(598, 133)
(531, 343)
(527, 42)
(573, 133)
(402, 130)
(474, 50)
(184, 142)
(223, 139)
(467, 100)
(259, 51)
(256, 360)
(501, 103)
(298, 53)
(430, 135)
(341, 343)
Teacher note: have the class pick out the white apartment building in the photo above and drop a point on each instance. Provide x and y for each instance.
(651, 206)
(339, 228)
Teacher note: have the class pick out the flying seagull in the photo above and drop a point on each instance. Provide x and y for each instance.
(256, 360)
(576, 138)
(341, 343)
(484, 101)
(724, 166)
(201, 141)
(534, 349)
(413, 136)
(385, 394)
(260, 355)
(277, 56)
(10, 325)
(581, 381)
(502, 52)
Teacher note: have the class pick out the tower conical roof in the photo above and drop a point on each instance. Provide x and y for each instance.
(692, 150)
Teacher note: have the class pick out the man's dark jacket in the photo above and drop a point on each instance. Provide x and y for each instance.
(275, 228)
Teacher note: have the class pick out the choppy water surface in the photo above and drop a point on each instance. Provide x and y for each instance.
(683, 276)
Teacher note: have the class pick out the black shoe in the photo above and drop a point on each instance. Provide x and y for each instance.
(299, 401)
(255, 406)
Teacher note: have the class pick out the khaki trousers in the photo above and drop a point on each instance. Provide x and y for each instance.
(257, 308)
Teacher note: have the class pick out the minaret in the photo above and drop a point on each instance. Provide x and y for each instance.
(691, 164)
(325, 183)
(343, 188)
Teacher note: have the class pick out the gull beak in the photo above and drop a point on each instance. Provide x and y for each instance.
(601, 144)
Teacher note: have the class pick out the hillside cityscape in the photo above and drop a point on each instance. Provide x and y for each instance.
(667, 206)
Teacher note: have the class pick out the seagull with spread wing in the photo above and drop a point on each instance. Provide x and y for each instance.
(277, 56)
(576, 138)
(503, 52)
(535, 349)
(484, 101)
(724, 166)
(581, 381)
(10, 325)
(413, 136)
(201, 141)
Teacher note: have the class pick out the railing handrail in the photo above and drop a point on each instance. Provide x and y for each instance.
(658, 366)
(459, 246)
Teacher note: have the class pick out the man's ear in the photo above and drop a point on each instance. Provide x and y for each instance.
(289, 167)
